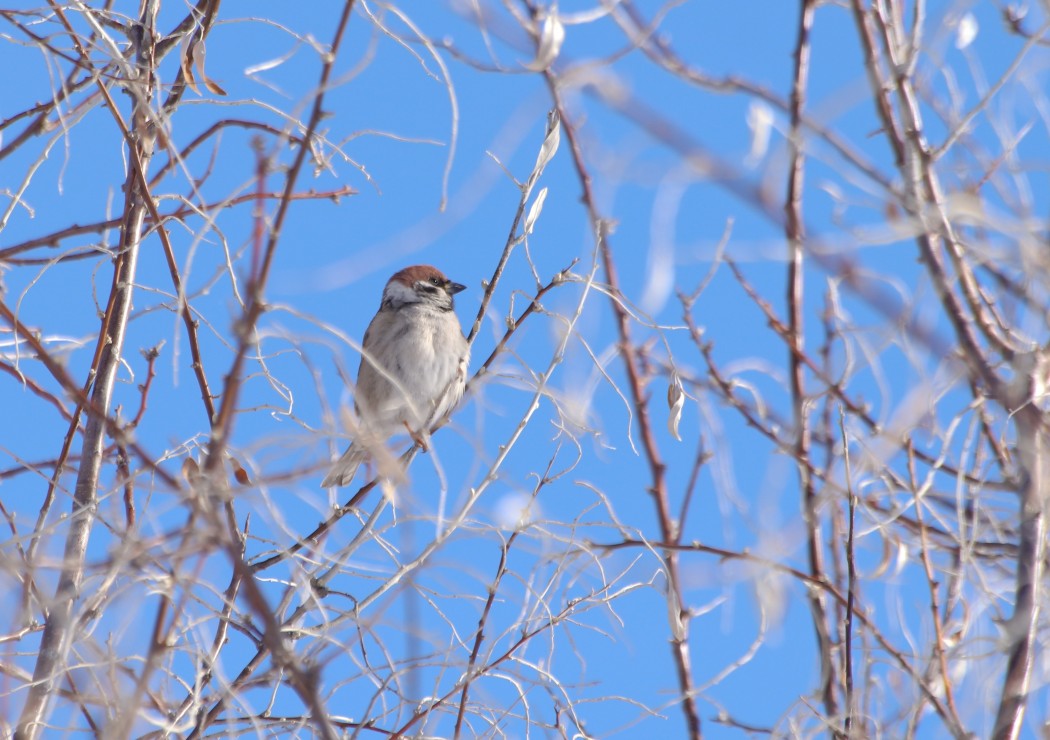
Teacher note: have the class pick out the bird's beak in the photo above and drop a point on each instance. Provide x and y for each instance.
(453, 288)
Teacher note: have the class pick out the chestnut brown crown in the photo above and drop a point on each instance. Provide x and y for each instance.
(420, 284)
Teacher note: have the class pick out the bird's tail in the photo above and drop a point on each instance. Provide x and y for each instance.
(343, 469)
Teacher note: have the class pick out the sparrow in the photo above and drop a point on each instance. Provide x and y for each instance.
(413, 368)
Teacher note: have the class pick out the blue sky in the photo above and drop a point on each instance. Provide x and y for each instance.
(390, 114)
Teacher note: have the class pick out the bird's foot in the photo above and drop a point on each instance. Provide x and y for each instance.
(420, 438)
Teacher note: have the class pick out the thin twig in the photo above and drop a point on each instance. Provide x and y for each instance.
(794, 231)
(851, 584)
(933, 586)
(303, 679)
(678, 613)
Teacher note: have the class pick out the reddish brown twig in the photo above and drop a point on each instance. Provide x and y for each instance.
(933, 587)
(678, 613)
(851, 584)
(36, 389)
(302, 679)
(794, 231)
(493, 589)
(151, 356)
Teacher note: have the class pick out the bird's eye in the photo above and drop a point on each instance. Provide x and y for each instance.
(435, 281)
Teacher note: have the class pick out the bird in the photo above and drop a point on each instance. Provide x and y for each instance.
(413, 368)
